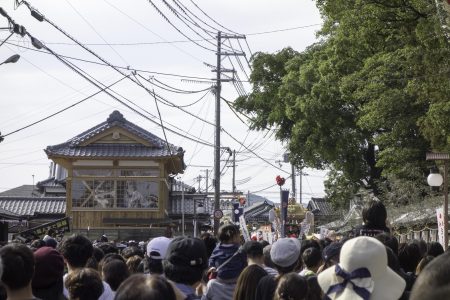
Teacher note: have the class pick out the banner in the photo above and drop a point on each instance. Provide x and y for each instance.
(59, 226)
(283, 211)
(440, 222)
(244, 230)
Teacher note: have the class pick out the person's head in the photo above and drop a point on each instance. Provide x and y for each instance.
(185, 260)
(365, 258)
(132, 251)
(435, 249)
(107, 247)
(48, 272)
(114, 272)
(210, 242)
(314, 290)
(156, 251)
(248, 282)
(285, 254)
(423, 263)
(267, 259)
(76, 250)
(254, 251)
(305, 244)
(330, 254)
(133, 264)
(84, 284)
(142, 287)
(51, 242)
(389, 241)
(229, 234)
(312, 258)
(409, 256)
(374, 214)
(264, 243)
(18, 266)
(36, 244)
(291, 286)
(434, 280)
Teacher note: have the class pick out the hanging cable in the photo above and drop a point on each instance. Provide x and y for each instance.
(64, 109)
(176, 28)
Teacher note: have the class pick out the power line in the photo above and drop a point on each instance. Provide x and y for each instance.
(64, 109)
(145, 27)
(284, 29)
(105, 64)
(177, 29)
(93, 29)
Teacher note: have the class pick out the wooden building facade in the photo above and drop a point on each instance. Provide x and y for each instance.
(117, 177)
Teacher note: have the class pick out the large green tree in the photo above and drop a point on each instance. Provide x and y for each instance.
(367, 101)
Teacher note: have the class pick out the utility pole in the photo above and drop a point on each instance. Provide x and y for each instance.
(234, 172)
(293, 180)
(217, 136)
(300, 190)
(199, 179)
(207, 180)
(217, 148)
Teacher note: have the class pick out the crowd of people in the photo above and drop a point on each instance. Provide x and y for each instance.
(370, 263)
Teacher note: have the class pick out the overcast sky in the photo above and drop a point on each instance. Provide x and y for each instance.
(139, 37)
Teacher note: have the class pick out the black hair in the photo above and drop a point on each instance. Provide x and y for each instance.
(228, 232)
(374, 214)
(409, 256)
(36, 244)
(291, 286)
(284, 270)
(389, 241)
(434, 281)
(312, 257)
(18, 265)
(210, 242)
(142, 287)
(264, 243)
(84, 284)
(314, 290)
(154, 265)
(132, 251)
(253, 249)
(115, 272)
(305, 244)
(107, 247)
(435, 249)
(76, 249)
(267, 259)
(181, 273)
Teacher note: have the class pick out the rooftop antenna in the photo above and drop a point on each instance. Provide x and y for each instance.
(33, 186)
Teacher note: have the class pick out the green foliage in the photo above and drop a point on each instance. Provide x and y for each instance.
(367, 101)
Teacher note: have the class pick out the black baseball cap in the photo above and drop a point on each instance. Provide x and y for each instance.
(187, 251)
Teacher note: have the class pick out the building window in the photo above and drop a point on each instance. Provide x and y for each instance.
(115, 188)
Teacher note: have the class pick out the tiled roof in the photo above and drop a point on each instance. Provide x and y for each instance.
(30, 206)
(25, 190)
(108, 150)
(323, 207)
(258, 208)
(74, 148)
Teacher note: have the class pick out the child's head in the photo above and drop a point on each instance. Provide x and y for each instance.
(229, 234)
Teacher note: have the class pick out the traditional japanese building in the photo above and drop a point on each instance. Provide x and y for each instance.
(117, 179)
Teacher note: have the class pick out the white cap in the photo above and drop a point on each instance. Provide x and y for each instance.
(157, 247)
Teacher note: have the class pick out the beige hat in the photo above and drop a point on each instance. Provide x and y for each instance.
(362, 273)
